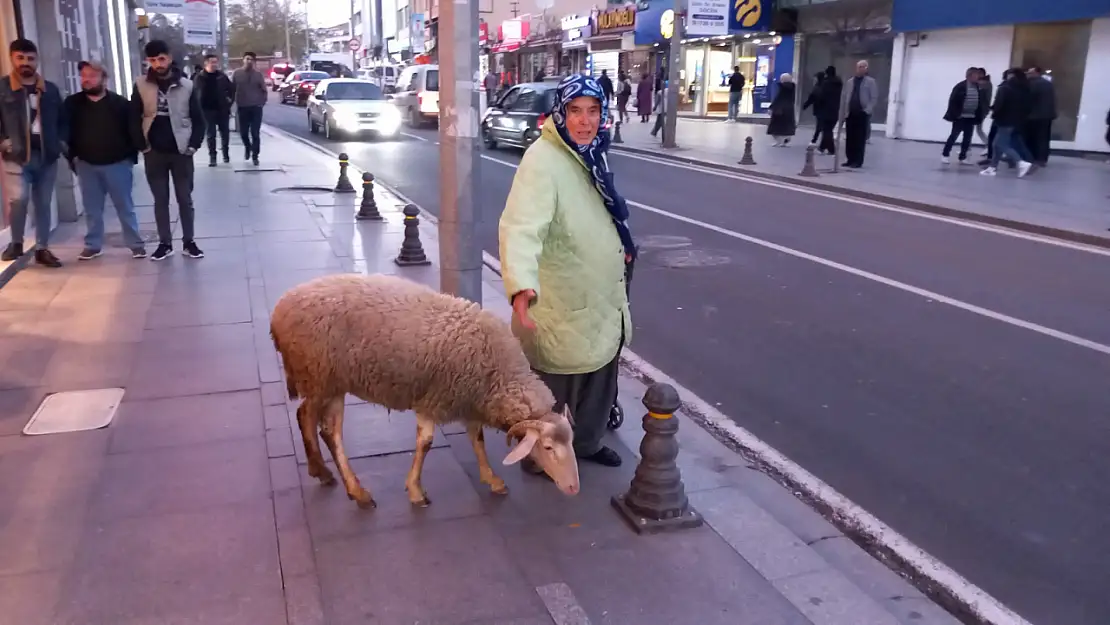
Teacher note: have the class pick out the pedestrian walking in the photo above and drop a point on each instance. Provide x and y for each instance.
(104, 142)
(173, 129)
(987, 89)
(659, 107)
(857, 104)
(490, 83)
(624, 94)
(811, 99)
(1038, 128)
(250, 95)
(33, 125)
(967, 108)
(215, 94)
(565, 244)
(735, 93)
(783, 123)
(1011, 108)
(606, 85)
(643, 98)
(826, 110)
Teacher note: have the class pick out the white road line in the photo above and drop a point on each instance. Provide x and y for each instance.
(411, 136)
(944, 299)
(1000, 230)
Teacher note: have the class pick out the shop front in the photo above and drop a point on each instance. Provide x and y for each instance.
(612, 46)
(505, 53)
(575, 53)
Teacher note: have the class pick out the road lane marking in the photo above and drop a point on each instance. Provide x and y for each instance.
(874, 277)
(412, 136)
(1001, 230)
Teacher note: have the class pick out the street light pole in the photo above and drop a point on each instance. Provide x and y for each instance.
(288, 46)
(460, 257)
(670, 122)
(223, 34)
(307, 33)
(354, 53)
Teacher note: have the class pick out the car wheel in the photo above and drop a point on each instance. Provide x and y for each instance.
(488, 140)
(313, 127)
(414, 117)
(330, 131)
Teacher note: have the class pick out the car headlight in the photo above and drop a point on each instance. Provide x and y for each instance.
(390, 120)
(346, 118)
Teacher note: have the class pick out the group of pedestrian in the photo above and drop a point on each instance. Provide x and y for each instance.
(833, 101)
(101, 133)
(825, 100)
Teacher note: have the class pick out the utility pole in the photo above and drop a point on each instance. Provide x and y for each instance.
(223, 35)
(354, 53)
(307, 33)
(670, 122)
(288, 46)
(460, 257)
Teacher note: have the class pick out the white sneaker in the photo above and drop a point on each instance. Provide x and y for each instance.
(945, 160)
(966, 162)
(990, 171)
(984, 154)
(1023, 168)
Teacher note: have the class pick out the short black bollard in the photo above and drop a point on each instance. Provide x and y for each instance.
(368, 208)
(343, 185)
(617, 133)
(747, 158)
(656, 500)
(412, 252)
(809, 170)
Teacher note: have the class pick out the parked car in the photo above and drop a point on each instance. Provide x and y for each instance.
(347, 106)
(299, 85)
(516, 117)
(417, 94)
(278, 73)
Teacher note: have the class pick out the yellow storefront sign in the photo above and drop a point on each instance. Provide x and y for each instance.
(617, 18)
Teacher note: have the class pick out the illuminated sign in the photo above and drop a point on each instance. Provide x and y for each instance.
(748, 12)
(617, 19)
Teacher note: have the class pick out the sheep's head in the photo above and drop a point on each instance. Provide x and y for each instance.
(549, 441)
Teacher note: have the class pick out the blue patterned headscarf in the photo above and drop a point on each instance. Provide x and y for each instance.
(594, 153)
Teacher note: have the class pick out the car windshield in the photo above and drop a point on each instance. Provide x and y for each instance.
(314, 76)
(433, 80)
(354, 91)
(547, 100)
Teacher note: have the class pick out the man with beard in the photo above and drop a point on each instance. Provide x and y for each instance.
(215, 100)
(32, 127)
(172, 129)
(104, 141)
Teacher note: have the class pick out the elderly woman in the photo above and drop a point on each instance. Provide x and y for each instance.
(564, 244)
(783, 124)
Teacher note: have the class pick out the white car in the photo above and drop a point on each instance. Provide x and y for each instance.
(348, 106)
(417, 94)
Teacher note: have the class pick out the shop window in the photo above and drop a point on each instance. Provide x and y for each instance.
(1060, 48)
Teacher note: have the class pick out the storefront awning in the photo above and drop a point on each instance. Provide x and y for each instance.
(506, 46)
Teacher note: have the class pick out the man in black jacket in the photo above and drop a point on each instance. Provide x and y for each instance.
(1038, 128)
(104, 141)
(215, 94)
(1011, 108)
(735, 93)
(967, 107)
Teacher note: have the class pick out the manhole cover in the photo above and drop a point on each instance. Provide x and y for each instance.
(681, 259)
(74, 411)
(302, 189)
(662, 242)
(115, 239)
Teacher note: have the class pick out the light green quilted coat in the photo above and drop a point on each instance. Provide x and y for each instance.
(557, 238)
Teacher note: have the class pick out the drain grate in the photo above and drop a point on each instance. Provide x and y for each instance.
(75, 411)
(115, 239)
(302, 189)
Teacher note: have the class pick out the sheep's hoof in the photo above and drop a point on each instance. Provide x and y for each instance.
(419, 499)
(497, 487)
(363, 499)
(321, 473)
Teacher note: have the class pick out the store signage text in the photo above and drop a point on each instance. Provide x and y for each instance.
(617, 19)
(572, 22)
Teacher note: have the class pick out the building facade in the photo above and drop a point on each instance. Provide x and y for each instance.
(937, 41)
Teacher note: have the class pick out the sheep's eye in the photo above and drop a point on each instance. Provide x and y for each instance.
(549, 448)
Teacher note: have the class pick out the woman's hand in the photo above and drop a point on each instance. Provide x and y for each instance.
(521, 302)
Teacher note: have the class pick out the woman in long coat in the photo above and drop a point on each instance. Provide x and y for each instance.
(783, 123)
(643, 98)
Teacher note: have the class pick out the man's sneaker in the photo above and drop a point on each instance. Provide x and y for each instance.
(254, 161)
(247, 154)
(162, 253)
(138, 252)
(192, 251)
(88, 254)
(227, 156)
(46, 258)
(990, 171)
(12, 252)
(1023, 168)
(211, 160)
(945, 160)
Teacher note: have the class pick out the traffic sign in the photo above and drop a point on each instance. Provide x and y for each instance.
(354, 44)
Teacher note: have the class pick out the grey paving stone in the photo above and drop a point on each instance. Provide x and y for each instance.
(827, 597)
(273, 393)
(46, 476)
(22, 597)
(177, 421)
(195, 360)
(210, 307)
(797, 516)
(24, 359)
(84, 366)
(16, 407)
(371, 430)
(279, 443)
(276, 415)
(303, 605)
(564, 609)
(284, 473)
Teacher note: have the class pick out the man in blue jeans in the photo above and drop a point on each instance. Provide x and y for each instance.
(104, 142)
(32, 128)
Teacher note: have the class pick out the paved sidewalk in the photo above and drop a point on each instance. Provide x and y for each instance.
(194, 506)
(1069, 195)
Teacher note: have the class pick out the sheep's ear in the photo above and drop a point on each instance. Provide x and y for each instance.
(523, 448)
(566, 413)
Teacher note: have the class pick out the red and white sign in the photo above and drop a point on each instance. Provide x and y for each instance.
(513, 30)
(483, 34)
(354, 44)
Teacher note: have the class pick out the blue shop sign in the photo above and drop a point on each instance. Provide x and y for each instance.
(750, 16)
(655, 17)
(915, 15)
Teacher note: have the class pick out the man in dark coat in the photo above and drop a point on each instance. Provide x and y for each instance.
(968, 104)
(1010, 111)
(215, 93)
(606, 84)
(826, 109)
(1038, 128)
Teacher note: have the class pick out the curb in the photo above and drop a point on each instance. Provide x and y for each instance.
(843, 512)
(18, 265)
(1013, 224)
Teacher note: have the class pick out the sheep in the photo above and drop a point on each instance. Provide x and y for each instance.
(404, 346)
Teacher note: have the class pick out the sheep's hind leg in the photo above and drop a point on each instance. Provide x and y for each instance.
(308, 418)
(425, 431)
(485, 471)
(331, 430)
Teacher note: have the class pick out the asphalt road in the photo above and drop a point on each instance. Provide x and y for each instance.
(950, 380)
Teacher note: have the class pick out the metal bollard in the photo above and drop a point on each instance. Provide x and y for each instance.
(656, 500)
(343, 185)
(747, 158)
(809, 170)
(617, 133)
(368, 209)
(412, 252)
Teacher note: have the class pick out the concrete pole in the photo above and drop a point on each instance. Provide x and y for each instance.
(460, 257)
(223, 35)
(354, 53)
(288, 45)
(670, 122)
(307, 33)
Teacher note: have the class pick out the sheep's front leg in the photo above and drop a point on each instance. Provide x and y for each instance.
(331, 430)
(485, 471)
(308, 418)
(425, 431)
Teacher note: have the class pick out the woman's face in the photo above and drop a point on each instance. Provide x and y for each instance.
(583, 118)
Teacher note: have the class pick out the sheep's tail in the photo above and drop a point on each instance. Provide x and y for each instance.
(290, 387)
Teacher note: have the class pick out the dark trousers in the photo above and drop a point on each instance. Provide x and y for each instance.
(1038, 138)
(250, 126)
(590, 397)
(965, 126)
(990, 140)
(217, 120)
(659, 119)
(855, 137)
(824, 131)
(160, 167)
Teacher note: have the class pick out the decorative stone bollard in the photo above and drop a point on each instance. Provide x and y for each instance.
(747, 158)
(656, 500)
(809, 170)
(368, 208)
(343, 185)
(412, 252)
(617, 133)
